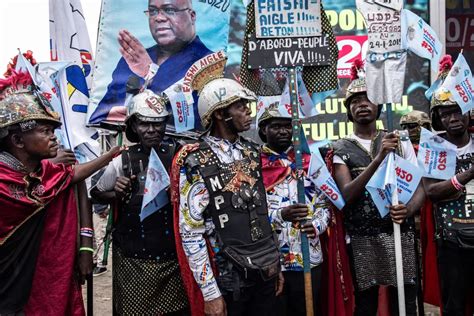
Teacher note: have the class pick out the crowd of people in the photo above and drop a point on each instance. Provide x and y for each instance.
(228, 240)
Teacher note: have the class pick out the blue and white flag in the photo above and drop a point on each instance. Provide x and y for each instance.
(436, 156)
(319, 174)
(394, 172)
(460, 83)
(382, 184)
(69, 36)
(157, 181)
(420, 38)
(70, 42)
(69, 83)
(306, 105)
(408, 178)
(183, 110)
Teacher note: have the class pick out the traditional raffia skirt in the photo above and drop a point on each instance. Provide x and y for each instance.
(146, 287)
(373, 259)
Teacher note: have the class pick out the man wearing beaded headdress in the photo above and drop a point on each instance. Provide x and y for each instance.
(453, 202)
(38, 214)
(229, 257)
(278, 169)
(371, 242)
(146, 277)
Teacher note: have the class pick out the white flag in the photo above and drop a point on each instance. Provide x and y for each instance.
(70, 43)
(420, 38)
(156, 183)
(460, 83)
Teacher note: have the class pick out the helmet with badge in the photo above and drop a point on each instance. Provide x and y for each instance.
(416, 117)
(23, 105)
(146, 106)
(214, 91)
(270, 111)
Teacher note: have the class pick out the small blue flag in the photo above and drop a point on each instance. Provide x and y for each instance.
(157, 181)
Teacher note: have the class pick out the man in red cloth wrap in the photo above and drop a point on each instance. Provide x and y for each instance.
(38, 213)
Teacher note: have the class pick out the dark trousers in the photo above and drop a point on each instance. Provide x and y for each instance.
(456, 275)
(367, 301)
(256, 300)
(292, 301)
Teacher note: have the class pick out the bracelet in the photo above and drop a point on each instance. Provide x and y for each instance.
(86, 249)
(87, 232)
(152, 70)
(456, 184)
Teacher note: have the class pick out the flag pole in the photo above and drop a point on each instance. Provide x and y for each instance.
(396, 234)
(296, 127)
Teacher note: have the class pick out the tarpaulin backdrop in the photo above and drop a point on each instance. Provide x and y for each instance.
(349, 29)
(212, 27)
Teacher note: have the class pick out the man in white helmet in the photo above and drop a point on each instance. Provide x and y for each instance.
(221, 211)
(146, 278)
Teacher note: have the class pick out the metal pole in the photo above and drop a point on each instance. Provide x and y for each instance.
(296, 125)
(397, 235)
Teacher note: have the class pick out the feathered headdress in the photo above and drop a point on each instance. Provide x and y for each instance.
(12, 65)
(441, 96)
(358, 83)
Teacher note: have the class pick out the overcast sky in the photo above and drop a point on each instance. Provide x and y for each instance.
(24, 24)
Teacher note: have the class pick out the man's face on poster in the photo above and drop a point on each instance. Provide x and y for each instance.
(172, 22)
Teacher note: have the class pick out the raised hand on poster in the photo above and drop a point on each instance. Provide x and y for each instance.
(134, 53)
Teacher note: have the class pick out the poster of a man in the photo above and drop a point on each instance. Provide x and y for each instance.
(169, 44)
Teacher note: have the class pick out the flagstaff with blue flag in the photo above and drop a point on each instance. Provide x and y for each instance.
(156, 184)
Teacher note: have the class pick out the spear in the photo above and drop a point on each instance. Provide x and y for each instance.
(296, 128)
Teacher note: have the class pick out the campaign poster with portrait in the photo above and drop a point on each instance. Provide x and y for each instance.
(186, 30)
(351, 36)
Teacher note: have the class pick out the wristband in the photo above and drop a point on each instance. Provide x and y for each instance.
(86, 249)
(152, 70)
(456, 184)
(87, 232)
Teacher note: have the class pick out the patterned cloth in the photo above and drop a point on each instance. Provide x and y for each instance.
(194, 198)
(146, 287)
(284, 193)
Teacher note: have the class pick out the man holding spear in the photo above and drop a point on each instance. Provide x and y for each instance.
(371, 247)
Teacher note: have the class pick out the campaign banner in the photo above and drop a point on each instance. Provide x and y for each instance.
(319, 174)
(351, 47)
(288, 52)
(460, 83)
(383, 26)
(143, 29)
(156, 183)
(436, 156)
(408, 178)
(382, 184)
(183, 111)
(278, 19)
(394, 172)
(420, 38)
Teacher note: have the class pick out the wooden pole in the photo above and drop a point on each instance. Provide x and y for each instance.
(296, 126)
(397, 235)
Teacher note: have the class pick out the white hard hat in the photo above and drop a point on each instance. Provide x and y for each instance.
(148, 106)
(219, 94)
